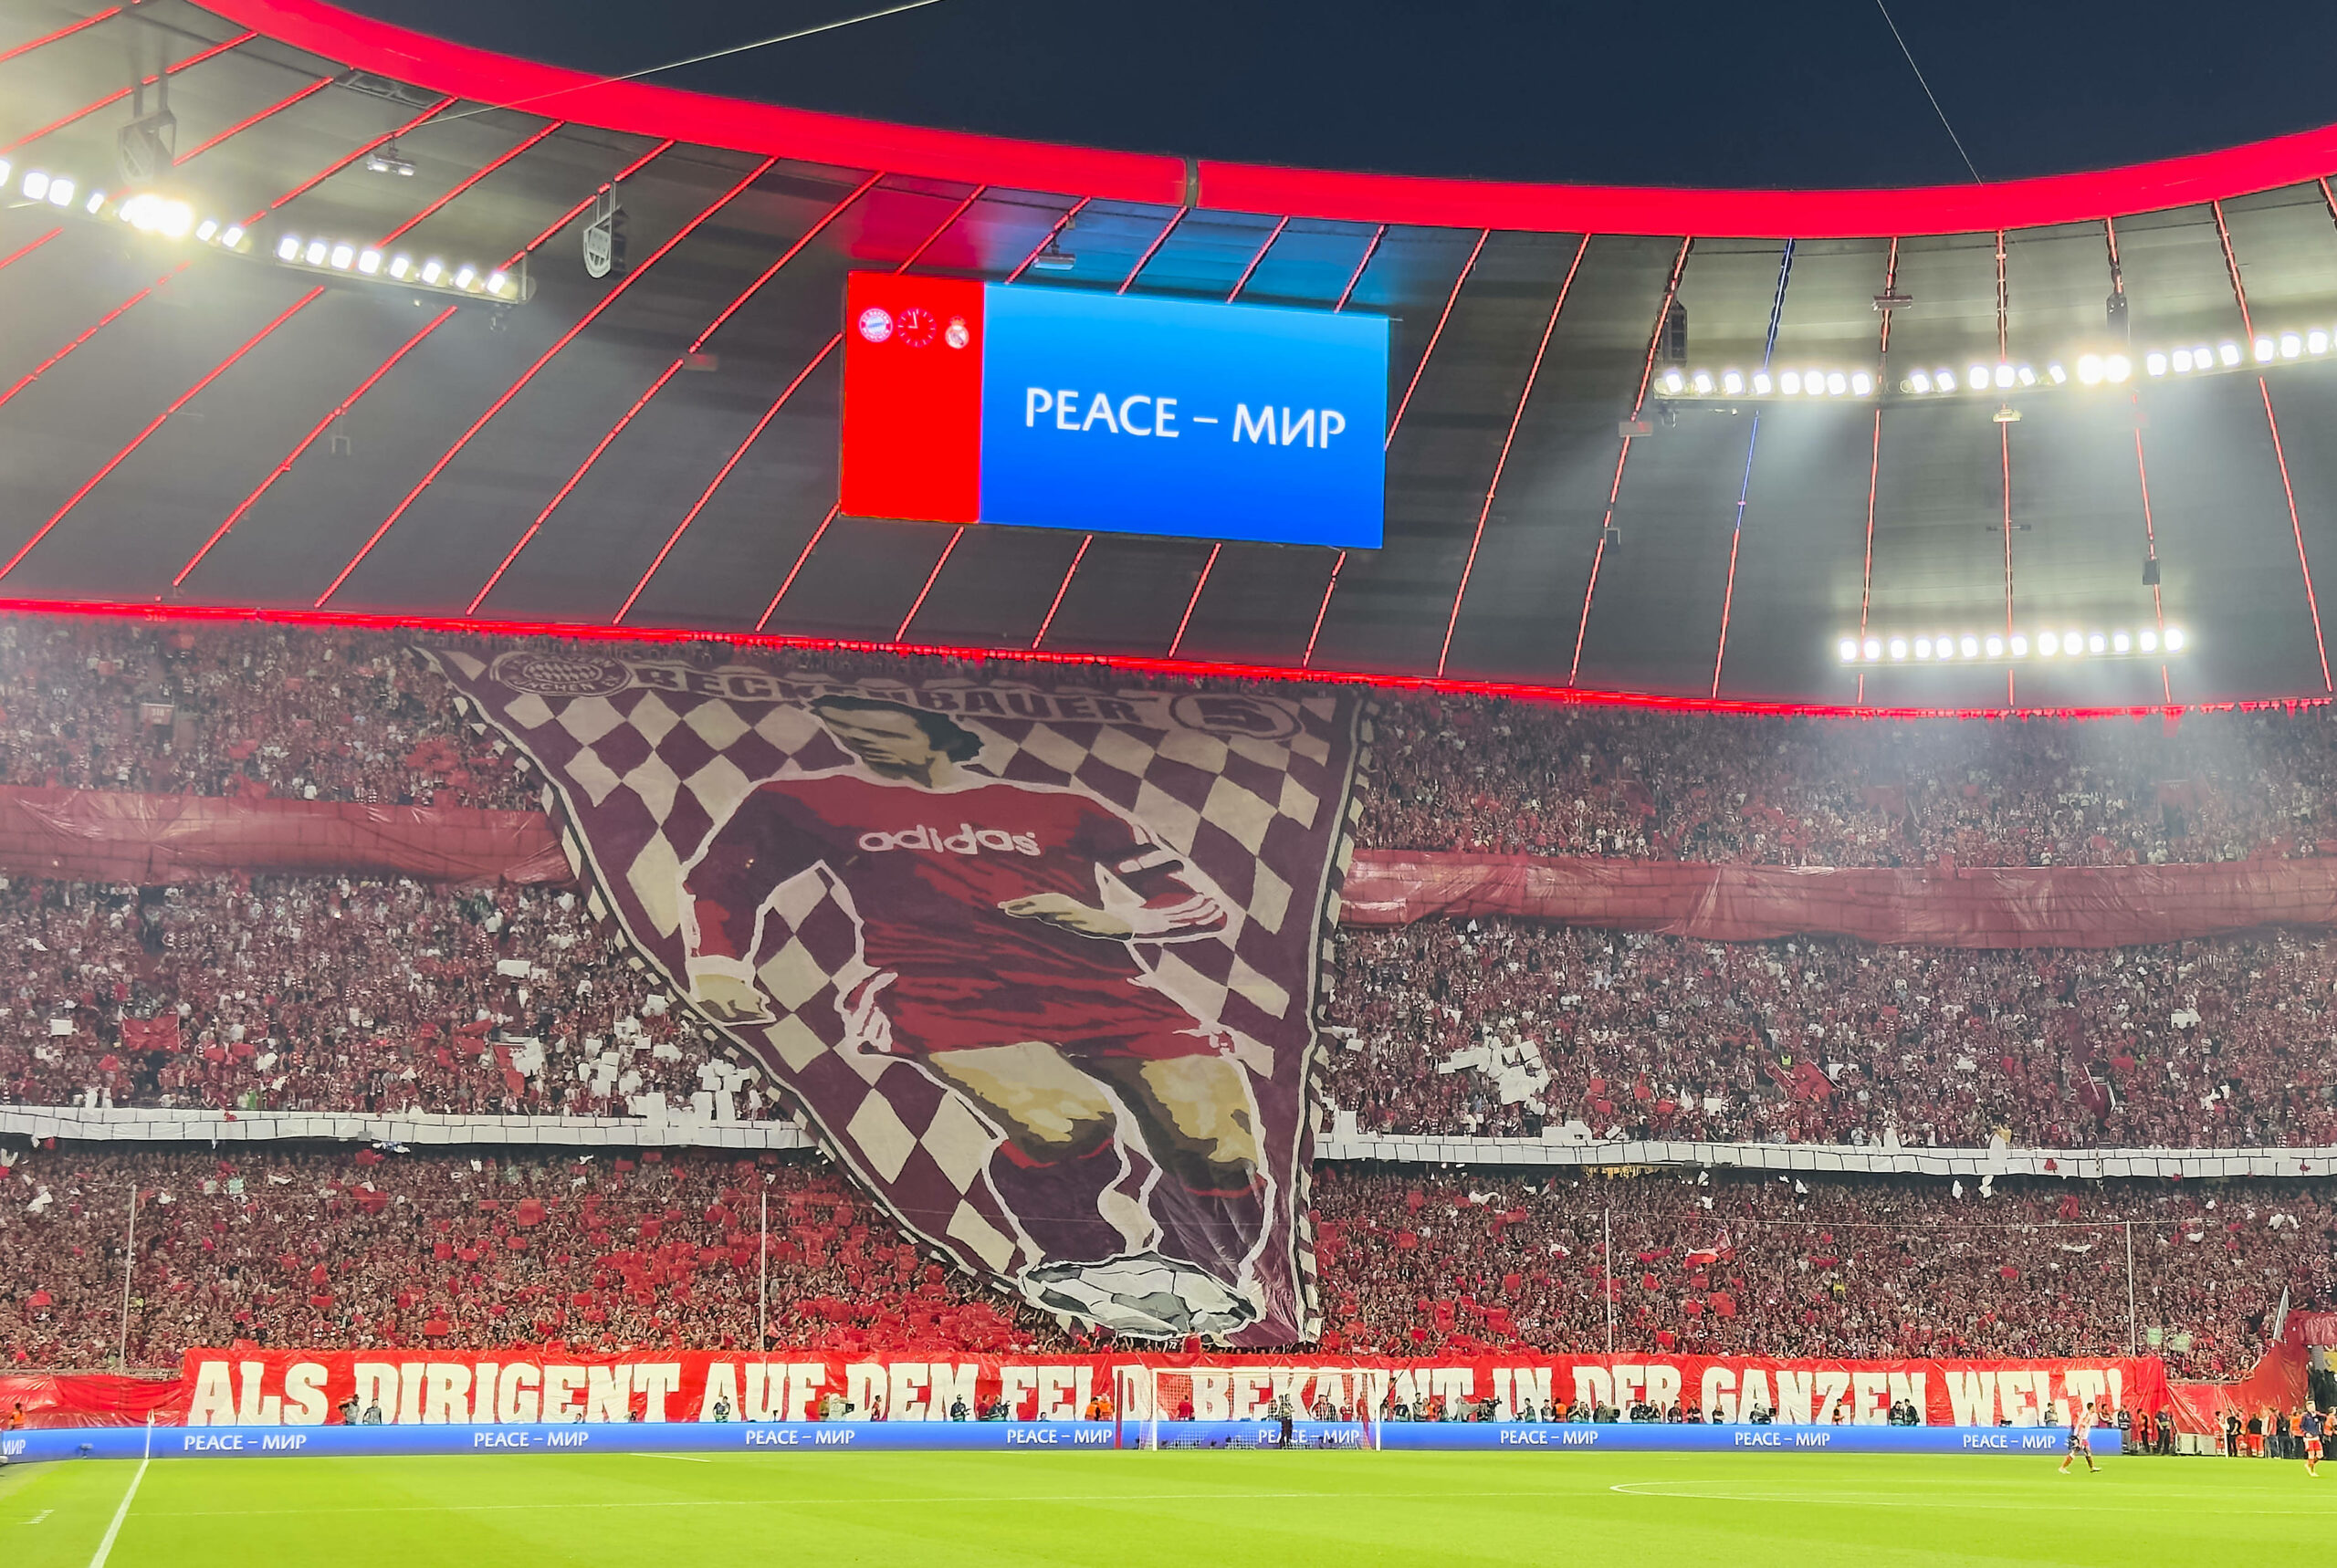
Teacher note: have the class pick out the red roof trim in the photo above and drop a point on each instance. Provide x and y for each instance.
(1193, 668)
(650, 111)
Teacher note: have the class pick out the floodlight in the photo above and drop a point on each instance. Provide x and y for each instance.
(1703, 383)
(288, 248)
(1945, 379)
(1872, 649)
(2264, 350)
(2097, 643)
(2149, 641)
(2228, 354)
(2182, 359)
(433, 270)
(400, 266)
(1762, 384)
(1671, 380)
(368, 262)
(1837, 384)
(2004, 376)
(1898, 647)
(2316, 341)
(2292, 345)
(389, 161)
(1732, 382)
(2120, 643)
(2047, 644)
(1996, 647)
(1923, 647)
(317, 252)
(36, 185)
(1978, 378)
(2155, 363)
(2116, 368)
(2019, 646)
(344, 258)
(1861, 383)
(1920, 382)
(1790, 381)
(60, 190)
(1848, 649)
(2174, 639)
(2026, 377)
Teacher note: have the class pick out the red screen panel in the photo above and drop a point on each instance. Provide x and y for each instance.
(911, 397)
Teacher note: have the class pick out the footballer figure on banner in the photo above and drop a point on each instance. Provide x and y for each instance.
(999, 925)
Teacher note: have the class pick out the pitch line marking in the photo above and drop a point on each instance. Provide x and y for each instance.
(105, 1547)
(43, 1514)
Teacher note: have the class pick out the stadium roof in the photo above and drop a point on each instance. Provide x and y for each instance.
(180, 426)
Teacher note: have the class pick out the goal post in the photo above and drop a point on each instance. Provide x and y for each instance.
(1175, 1407)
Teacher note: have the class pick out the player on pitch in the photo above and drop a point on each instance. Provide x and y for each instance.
(995, 923)
(2081, 1420)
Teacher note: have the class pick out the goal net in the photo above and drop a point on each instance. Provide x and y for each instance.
(1240, 1408)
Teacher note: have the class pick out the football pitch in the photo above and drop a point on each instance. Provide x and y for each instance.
(1177, 1509)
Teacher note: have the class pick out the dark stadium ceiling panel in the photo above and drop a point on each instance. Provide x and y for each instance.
(1567, 506)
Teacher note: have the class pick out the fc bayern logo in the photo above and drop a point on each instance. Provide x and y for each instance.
(560, 674)
(875, 323)
(959, 335)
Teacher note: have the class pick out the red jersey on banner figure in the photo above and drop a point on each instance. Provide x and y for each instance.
(996, 925)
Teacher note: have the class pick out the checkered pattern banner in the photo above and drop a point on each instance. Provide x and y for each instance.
(1037, 959)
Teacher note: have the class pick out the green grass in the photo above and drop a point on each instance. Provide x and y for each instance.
(1186, 1509)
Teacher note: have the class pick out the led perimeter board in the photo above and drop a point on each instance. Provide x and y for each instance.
(1052, 408)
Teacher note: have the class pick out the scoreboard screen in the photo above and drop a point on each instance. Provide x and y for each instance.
(1051, 408)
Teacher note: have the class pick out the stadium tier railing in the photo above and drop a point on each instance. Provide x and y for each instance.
(1552, 1151)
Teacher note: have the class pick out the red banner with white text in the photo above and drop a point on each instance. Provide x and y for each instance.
(1981, 906)
(251, 1386)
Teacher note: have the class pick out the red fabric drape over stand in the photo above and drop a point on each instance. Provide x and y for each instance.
(2008, 906)
(102, 835)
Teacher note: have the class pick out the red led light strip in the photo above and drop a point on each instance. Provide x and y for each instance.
(27, 249)
(380, 370)
(1518, 691)
(246, 123)
(1065, 587)
(2280, 453)
(67, 31)
(658, 385)
(116, 96)
(771, 412)
(1443, 317)
(1186, 619)
(154, 425)
(809, 545)
(1215, 549)
(463, 440)
(1614, 489)
(1516, 417)
(930, 578)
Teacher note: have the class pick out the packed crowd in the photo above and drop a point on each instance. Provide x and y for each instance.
(355, 1247)
(327, 994)
(1514, 1027)
(1463, 773)
(345, 715)
(359, 1248)
(1418, 1262)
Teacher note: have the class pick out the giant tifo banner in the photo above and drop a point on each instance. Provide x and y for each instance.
(1984, 906)
(246, 1386)
(1037, 959)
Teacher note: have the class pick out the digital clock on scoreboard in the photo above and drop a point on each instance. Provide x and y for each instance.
(1050, 408)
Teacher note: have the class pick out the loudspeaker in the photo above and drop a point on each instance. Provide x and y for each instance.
(1672, 339)
(2150, 573)
(146, 147)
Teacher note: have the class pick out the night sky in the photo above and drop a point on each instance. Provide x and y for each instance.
(1692, 93)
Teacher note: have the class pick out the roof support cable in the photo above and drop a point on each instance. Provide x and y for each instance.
(1744, 485)
(1874, 451)
(2280, 454)
(1509, 438)
(1615, 488)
